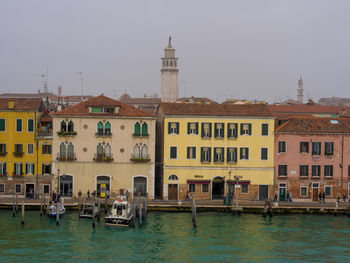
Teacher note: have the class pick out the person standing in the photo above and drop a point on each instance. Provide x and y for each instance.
(290, 196)
(324, 197)
(320, 197)
(88, 195)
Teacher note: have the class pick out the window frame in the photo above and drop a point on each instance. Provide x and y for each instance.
(245, 191)
(192, 131)
(29, 125)
(205, 190)
(233, 134)
(20, 188)
(3, 119)
(307, 190)
(279, 171)
(46, 185)
(170, 152)
(3, 187)
(208, 150)
(194, 152)
(325, 192)
(216, 130)
(331, 153)
(48, 149)
(262, 129)
(262, 153)
(204, 134)
(315, 170)
(246, 153)
(243, 131)
(328, 168)
(173, 130)
(301, 147)
(312, 148)
(216, 155)
(303, 168)
(280, 145)
(228, 155)
(192, 190)
(28, 148)
(19, 119)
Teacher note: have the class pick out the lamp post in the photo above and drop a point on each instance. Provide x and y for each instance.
(237, 177)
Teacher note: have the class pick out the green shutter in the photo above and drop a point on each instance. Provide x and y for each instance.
(108, 125)
(144, 129)
(188, 127)
(223, 154)
(209, 153)
(215, 130)
(210, 130)
(250, 129)
(33, 168)
(202, 130)
(21, 168)
(42, 169)
(137, 128)
(100, 125)
(169, 125)
(96, 109)
(241, 128)
(196, 127)
(2, 124)
(223, 130)
(26, 168)
(49, 168)
(247, 154)
(188, 152)
(177, 128)
(30, 125)
(194, 152)
(202, 154)
(19, 125)
(240, 153)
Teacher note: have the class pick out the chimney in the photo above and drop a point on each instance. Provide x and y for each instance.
(11, 104)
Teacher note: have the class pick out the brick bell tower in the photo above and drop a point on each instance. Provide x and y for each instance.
(169, 75)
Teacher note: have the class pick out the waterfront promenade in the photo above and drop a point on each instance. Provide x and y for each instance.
(205, 206)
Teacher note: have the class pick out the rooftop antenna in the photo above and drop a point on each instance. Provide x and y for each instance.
(45, 77)
(81, 85)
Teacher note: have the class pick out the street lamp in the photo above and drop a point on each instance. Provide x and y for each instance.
(237, 177)
(229, 188)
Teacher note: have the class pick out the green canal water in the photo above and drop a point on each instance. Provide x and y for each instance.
(170, 237)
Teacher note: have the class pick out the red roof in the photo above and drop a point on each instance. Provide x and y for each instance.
(315, 125)
(195, 109)
(82, 109)
(307, 110)
(21, 103)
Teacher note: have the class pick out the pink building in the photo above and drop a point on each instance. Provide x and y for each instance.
(312, 156)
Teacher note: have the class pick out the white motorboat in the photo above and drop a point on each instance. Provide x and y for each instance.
(53, 209)
(121, 213)
(86, 212)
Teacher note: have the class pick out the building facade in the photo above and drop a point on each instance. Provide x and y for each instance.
(25, 153)
(312, 157)
(103, 145)
(204, 147)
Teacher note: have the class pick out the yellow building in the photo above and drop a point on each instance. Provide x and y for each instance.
(25, 148)
(203, 148)
(102, 145)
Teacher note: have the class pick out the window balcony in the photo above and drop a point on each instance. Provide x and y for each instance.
(18, 154)
(140, 135)
(3, 153)
(329, 154)
(64, 158)
(17, 175)
(140, 158)
(103, 158)
(44, 133)
(103, 134)
(66, 133)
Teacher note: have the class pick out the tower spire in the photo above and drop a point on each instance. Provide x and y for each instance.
(300, 91)
(169, 75)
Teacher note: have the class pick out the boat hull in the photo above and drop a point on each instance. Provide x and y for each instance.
(118, 222)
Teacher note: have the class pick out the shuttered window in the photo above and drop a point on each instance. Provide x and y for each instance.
(173, 152)
(246, 129)
(232, 130)
(30, 125)
(264, 129)
(18, 125)
(264, 155)
(2, 125)
(244, 153)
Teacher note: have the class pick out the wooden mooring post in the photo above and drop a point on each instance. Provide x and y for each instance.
(57, 215)
(194, 213)
(45, 205)
(99, 209)
(93, 215)
(14, 206)
(267, 208)
(41, 209)
(106, 204)
(23, 212)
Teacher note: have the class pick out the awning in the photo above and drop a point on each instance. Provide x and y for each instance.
(241, 182)
(198, 181)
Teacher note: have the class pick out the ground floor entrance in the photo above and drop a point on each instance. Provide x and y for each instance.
(30, 191)
(140, 186)
(315, 191)
(103, 186)
(172, 191)
(263, 192)
(66, 185)
(282, 192)
(218, 188)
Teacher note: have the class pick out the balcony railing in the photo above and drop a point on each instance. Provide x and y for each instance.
(18, 154)
(68, 158)
(66, 133)
(44, 133)
(3, 153)
(103, 158)
(144, 158)
(103, 134)
(140, 135)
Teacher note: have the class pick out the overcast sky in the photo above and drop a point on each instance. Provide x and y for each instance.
(226, 49)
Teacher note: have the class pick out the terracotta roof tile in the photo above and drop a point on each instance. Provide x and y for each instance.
(195, 109)
(304, 109)
(315, 125)
(21, 103)
(82, 109)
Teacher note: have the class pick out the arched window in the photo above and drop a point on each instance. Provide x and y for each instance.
(136, 153)
(63, 152)
(108, 151)
(70, 151)
(63, 126)
(99, 149)
(173, 177)
(137, 129)
(70, 126)
(144, 152)
(100, 128)
(144, 129)
(108, 128)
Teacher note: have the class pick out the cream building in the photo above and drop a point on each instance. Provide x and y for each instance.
(103, 145)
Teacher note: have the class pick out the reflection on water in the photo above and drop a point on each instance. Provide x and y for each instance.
(170, 237)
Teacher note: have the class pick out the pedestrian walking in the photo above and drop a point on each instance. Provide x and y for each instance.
(344, 198)
(324, 197)
(275, 199)
(290, 196)
(319, 197)
(88, 195)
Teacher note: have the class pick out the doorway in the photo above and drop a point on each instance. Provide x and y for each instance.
(140, 186)
(66, 185)
(30, 191)
(263, 192)
(102, 186)
(172, 191)
(315, 191)
(282, 192)
(218, 188)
